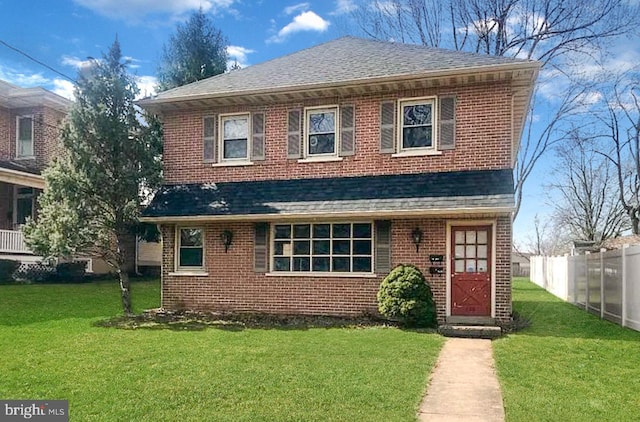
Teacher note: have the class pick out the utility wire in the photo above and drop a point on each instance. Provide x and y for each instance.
(17, 50)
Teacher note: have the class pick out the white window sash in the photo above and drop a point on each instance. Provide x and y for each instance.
(307, 131)
(403, 102)
(222, 139)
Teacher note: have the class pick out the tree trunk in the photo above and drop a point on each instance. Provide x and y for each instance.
(125, 292)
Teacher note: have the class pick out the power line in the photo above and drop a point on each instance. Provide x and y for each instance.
(17, 50)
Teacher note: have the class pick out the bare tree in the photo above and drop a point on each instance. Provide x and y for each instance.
(559, 33)
(587, 201)
(621, 120)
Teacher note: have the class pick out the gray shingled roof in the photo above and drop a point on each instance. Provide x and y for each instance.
(341, 61)
(22, 166)
(469, 190)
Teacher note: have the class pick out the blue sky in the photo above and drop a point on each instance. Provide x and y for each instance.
(65, 33)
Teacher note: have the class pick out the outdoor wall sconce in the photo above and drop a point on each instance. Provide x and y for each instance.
(226, 237)
(416, 236)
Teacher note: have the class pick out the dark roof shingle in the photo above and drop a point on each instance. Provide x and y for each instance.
(366, 194)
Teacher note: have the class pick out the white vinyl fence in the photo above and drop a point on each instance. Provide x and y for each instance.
(605, 283)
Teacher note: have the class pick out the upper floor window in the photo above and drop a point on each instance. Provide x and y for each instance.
(235, 137)
(320, 131)
(417, 124)
(24, 136)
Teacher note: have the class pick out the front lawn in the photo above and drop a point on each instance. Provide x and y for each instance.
(50, 349)
(568, 365)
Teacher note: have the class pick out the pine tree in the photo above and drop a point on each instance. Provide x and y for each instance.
(110, 162)
(196, 51)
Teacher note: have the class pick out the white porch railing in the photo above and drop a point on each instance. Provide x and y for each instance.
(12, 241)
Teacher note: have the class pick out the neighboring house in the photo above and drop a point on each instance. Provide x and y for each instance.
(30, 119)
(520, 264)
(295, 185)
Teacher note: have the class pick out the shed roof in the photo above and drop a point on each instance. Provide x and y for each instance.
(478, 191)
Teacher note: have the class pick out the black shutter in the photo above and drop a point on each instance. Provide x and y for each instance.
(447, 129)
(260, 248)
(257, 136)
(387, 127)
(294, 134)
(347, 130)
(209, 140)
(383, 247)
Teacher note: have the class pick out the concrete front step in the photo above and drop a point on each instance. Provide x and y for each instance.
(470, 331)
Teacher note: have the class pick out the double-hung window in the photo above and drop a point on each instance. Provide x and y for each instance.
(417, 128)
(235, 137)
(320, 131)
(190, 248)
(24, 136)
(323, 248)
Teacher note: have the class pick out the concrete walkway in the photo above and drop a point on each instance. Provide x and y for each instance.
(463, 385)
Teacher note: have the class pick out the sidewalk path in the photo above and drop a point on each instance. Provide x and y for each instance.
(463, 385)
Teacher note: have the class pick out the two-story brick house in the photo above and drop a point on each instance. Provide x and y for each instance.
(295, 185)
(30, 119)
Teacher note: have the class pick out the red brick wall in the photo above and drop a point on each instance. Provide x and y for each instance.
(483, 140)
(46, 128)
(232, 285)
(5, 138)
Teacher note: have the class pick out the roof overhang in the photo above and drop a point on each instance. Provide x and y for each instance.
(520, 75)
(14, 97)
(324, 216)
(21, 178)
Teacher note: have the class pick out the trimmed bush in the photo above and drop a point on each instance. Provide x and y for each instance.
(71, 272)
(7, 268)
(405, 296)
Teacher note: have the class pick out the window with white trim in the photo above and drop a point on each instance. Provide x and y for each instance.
(24, 136)
(320, 131)
(234, 137)
(417, 124)
(190, 248)
(323, 248)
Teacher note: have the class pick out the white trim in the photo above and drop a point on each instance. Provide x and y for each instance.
(33, 137)
(336, 132)
(233, 161)
(17, 177)
(320, 274)
(320, 159)
(433, 100)
(176, 264)
(188, 273)
(284, 217)
(451, 223)
(417, 152)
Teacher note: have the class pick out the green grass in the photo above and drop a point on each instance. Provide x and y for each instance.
(568, 365)
(50, 349)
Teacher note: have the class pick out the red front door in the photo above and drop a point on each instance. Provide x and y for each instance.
(471, 270)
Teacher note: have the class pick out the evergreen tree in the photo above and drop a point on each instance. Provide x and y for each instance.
(110, 162)
(196, 51)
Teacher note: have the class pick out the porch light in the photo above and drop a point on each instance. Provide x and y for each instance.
(226, 237)
(416, 236)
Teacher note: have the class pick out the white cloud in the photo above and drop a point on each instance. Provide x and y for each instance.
(301, 7)
(136, 9)
(238, 54)
(75, 62)
(64, 88)
(343, 7)
(21, 79)
(305, 21)
(147, 86)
